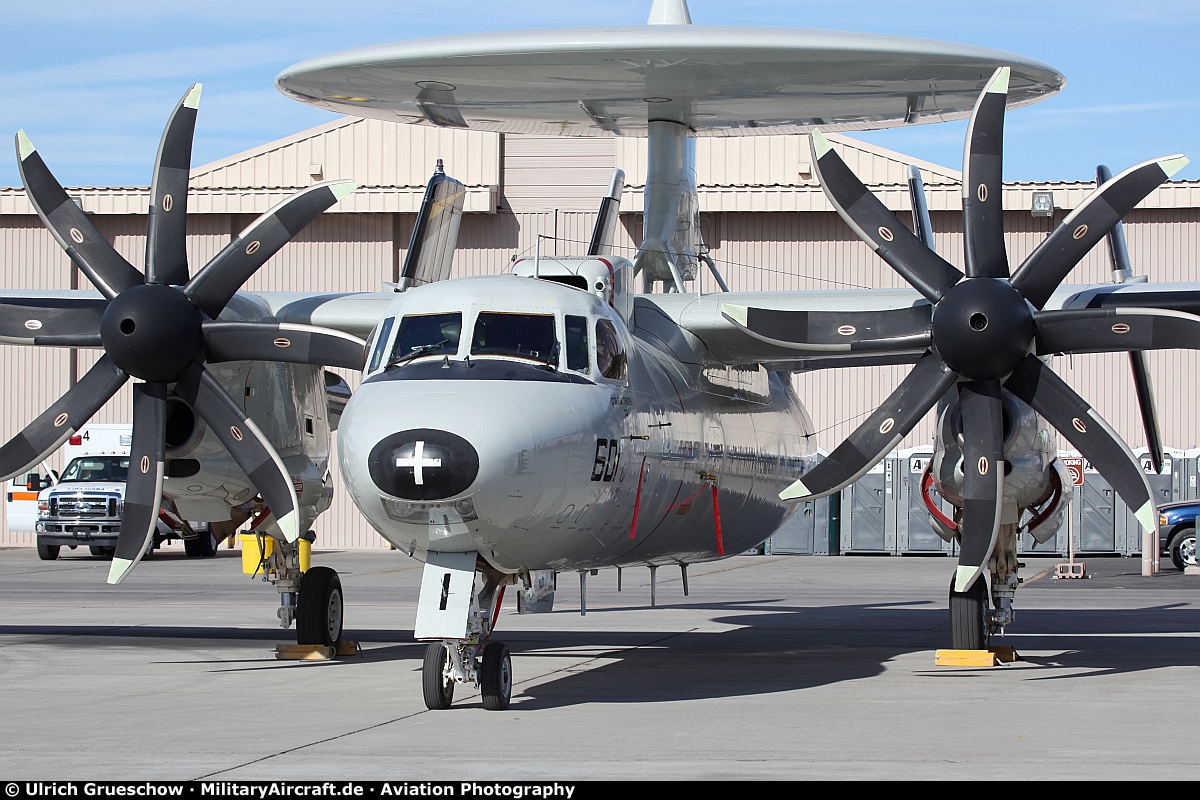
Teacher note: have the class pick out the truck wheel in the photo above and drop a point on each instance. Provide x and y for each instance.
(319, 608)
(48, 552)
(202, 546)
(101, 552)
(1183, 548)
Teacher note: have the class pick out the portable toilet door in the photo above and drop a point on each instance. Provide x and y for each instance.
(869, 524)
(797, 536)
(914, 530)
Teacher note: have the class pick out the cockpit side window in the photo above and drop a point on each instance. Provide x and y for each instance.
(384, 331)
(427, 335)
(522, 335)
(577, 343)
(610, 352)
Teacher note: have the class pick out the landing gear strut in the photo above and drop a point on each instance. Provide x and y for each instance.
(313, 599)
(470, 659)
(987, 606)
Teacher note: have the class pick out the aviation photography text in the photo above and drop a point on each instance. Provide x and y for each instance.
(261, 790)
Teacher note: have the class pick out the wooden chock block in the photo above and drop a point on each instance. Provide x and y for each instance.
(348, 648)
(1003, 654)
(965, 658)
(303, 652)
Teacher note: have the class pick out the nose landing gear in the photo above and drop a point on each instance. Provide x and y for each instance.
(460, 602)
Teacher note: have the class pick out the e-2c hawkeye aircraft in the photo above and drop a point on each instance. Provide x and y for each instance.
(555, 418)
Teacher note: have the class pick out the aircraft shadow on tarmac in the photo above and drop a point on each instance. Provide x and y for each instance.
(777, 649)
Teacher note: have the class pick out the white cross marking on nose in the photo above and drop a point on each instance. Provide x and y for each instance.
(418, 462)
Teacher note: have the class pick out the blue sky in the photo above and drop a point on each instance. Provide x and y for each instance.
(92, 81)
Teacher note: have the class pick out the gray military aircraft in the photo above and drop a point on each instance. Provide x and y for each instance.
(554, 418)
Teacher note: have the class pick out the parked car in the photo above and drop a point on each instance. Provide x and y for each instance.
(1177, 531)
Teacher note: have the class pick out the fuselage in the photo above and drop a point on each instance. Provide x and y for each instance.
(535, 425)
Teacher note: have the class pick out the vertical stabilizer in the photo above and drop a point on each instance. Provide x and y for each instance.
(669, 12)
(606, 218)
(431, 250)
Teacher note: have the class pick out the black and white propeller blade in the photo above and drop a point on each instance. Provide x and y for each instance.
(287, 342)
(144, 479)
(96, 258)
(983, 188)
(983, 478)
(1048, 265)
(925, 270)
(166, 254)
(219, 280)
(65, 416)
(1047, 394)
(873, 439)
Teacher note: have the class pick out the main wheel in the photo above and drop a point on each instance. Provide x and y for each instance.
(496, 676)
(203, 545)
(437, 688)
(969, 616)
(48, 552)
(1183, 548)
(319, 608)
(101, 552)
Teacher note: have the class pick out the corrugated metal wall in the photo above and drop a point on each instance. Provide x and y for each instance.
(551, 187)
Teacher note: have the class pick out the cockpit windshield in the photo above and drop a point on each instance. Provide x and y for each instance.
(426, 335)
(521, 335)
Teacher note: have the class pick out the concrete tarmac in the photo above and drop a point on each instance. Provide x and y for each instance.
(773, 668)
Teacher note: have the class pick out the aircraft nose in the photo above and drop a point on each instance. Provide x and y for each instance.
(423, 464)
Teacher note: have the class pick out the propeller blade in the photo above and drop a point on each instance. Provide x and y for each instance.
(65, 416)
(900, 412)
(1145, 396)
(1047, 266)
(52, 321)
(220, 279)
(246, 444)
(836, 331)
(925, 270)
(983, 478)
(290, 343)
(983, 188)
(144, 481)
(1114, 330)
(166, 233)
(1048, 395)
(104, 266)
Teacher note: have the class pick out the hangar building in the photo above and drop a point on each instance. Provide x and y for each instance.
(764, 217)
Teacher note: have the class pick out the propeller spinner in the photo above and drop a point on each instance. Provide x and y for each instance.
(161, 327)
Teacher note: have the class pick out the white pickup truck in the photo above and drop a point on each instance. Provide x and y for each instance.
(83, 505)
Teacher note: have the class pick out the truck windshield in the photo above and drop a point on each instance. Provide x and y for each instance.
(97, 468)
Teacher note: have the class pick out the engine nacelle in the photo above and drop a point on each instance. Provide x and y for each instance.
(1030, 450)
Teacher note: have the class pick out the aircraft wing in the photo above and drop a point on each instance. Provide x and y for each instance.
(812, 330)
(354, 313)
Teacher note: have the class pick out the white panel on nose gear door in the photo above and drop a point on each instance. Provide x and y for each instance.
(446, 589)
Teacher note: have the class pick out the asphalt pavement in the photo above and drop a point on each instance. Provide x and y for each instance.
(774, 667)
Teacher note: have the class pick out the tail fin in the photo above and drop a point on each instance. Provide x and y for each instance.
(606, 217)
(431, 250)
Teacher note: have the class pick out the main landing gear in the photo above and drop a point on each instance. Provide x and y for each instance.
(460, 602)
(313, 599)
(986, 607)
